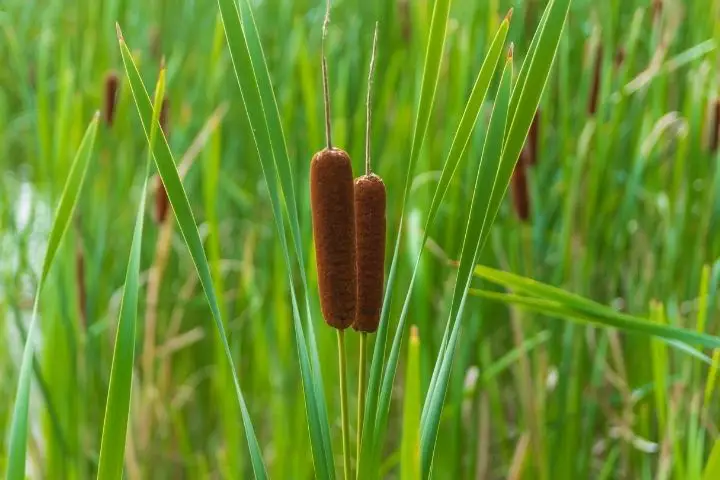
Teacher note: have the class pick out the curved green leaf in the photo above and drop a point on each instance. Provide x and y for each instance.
(61, 221)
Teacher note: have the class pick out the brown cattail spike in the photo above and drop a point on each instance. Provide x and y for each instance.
(715, 128)
(520, 194)
(370, 202)
(111, 89)
(533, 141)
(595, 87)
(333, 217)
(80, 279)
(162, 202)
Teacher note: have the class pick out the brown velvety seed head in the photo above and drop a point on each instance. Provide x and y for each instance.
(370, 201)
(333, 216)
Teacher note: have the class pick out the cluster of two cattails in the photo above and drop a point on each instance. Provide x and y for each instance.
(349, 229)
(348, 217)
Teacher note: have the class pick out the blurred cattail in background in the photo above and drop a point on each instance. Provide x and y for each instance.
(161, 199)
(657, 8)
(528, 158)
(532, 144)
(619, 58)
(519, 189)
(596, 78)
(112, 83)
(80, 281)
(155, 40)
(715, 126)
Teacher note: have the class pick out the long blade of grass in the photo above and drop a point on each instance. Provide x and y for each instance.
(554, 309)
(117, 407)
(258, 99)
(186, 222)
(450, 167)
(61, 220)
(410, 445)
(492, 153)
(569, 302)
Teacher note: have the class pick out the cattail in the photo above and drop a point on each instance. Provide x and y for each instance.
(80, 280)
(533, 140)
(520, 194)
(370, 200)
(619, 58)
(155, 40)
(657, 8)
(161, 199)
(111, 89)
(405, 20)
(595, 87)
(715, 128)
(333, 218)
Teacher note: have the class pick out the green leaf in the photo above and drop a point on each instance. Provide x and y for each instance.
(186, 222)
(712, 467)
(117, 407)
(492, 152)
(450, 167)
(262, 113)
(410, 444)
(61, 221)
(554, 309)
(559, 301)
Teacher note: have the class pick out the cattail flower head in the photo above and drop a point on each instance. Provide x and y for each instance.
(596, 79)
(715, 127)
(112, 83)
(162, 202)
(370, 201)
(520, 193)
(333, 218)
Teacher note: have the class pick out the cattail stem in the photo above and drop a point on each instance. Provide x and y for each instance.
(361, 390)
(326, 88)
(368, 103)
(343, 403)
